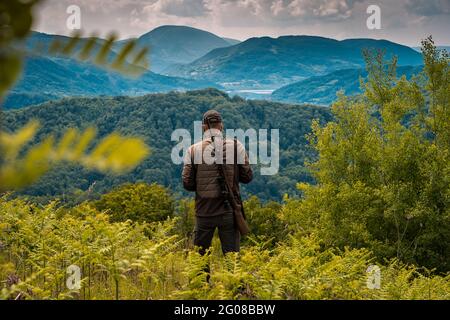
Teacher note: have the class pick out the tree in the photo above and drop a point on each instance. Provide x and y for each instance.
(383, 171)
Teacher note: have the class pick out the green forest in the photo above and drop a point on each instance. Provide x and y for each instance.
(372, 187)
(153, 117)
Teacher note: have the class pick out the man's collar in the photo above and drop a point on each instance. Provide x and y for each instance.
(212, 132)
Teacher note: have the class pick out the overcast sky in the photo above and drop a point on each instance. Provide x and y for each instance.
(403, 21)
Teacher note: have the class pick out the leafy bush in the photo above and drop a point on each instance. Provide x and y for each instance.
(264, 220)
(137, 202)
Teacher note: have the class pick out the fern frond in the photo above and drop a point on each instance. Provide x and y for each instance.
(21, 166)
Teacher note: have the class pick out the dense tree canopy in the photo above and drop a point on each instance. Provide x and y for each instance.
(383, 170)
(154, 117)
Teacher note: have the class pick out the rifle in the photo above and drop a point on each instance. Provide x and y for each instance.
(228, 194)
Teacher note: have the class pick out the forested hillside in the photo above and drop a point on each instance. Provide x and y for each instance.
(322, 90)
(271, 63)
(50, 78)
(154, 117)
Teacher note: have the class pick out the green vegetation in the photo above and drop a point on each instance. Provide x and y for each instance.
(379, 194)
(154, 117)
(382, 174)
(48, 78)
(125, 260)
(21, 167)
(381, 197)
(140, 202)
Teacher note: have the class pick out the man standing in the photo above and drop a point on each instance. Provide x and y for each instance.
(210, 166)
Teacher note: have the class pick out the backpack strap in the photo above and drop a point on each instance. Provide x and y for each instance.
(236, 179)
(236, 168)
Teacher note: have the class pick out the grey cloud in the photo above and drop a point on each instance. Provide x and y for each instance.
(244, 18)
(313, 9)
(180, 8)
(428, 7)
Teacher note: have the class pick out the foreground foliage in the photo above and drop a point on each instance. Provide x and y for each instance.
(20, 166)
(139, 202)
(125, 260)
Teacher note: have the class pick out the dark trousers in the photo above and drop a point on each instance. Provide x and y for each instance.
(229, 235)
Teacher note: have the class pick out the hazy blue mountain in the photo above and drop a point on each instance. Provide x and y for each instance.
(232, 41)
(271, 63)
(167, 45)
(322, 90)
(418, 49)
(39, 44)
(49, 78)
(40, 40)
(178, 45)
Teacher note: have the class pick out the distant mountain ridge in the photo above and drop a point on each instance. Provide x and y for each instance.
(321, 90)
(190, 58)
(232, 41)
(267, 62)
(168, 44)
(50, 78)
(171, 45)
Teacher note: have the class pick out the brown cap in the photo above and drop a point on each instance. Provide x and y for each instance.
(212, 116)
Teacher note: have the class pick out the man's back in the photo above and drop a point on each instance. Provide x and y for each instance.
(202, 176)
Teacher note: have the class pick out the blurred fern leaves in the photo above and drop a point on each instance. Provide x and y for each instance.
(22, 166)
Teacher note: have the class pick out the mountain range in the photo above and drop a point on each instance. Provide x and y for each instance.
(51, 78)
(173, 45)
(312, 68)
(271, 63)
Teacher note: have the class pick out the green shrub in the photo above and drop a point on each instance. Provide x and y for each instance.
(137, 202)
